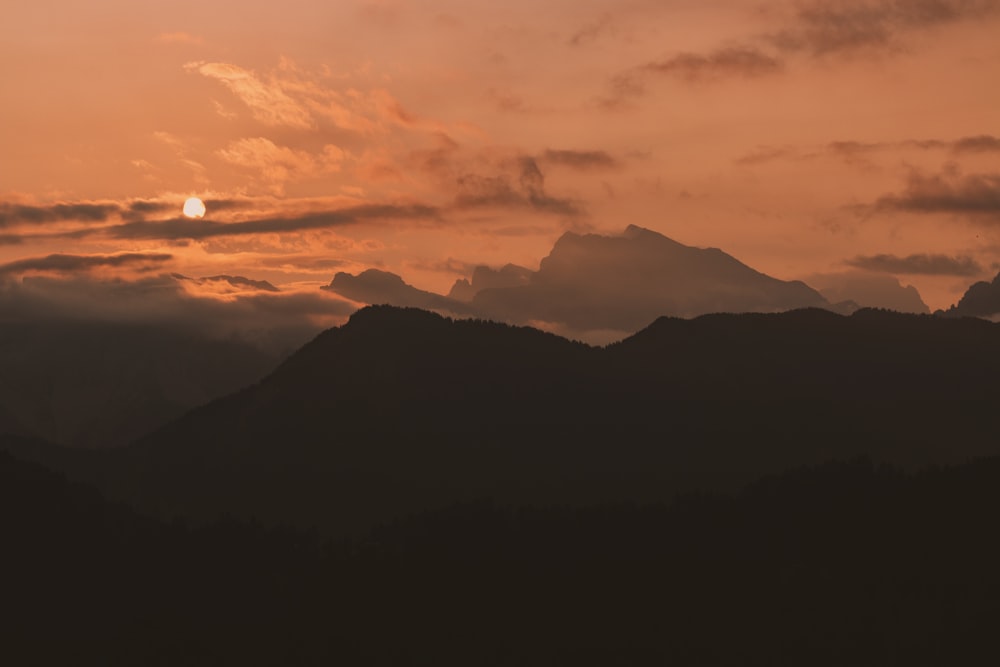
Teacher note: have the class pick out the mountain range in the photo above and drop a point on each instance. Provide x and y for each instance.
(601, 288)
(401, 410)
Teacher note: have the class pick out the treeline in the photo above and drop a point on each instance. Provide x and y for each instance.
(845, 563)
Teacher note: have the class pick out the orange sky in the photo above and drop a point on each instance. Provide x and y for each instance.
(424, 137)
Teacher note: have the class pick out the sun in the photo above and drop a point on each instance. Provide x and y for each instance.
(194, 208)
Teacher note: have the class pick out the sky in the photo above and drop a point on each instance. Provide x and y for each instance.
(426, 137)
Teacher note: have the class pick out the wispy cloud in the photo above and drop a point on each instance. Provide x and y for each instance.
(184, 228)
(64, 263)
(830, 27)
(501, 190)
(919, 264)
(266, 100)
(276, 165)
(580, 159)
(21, 214)
(976, 196)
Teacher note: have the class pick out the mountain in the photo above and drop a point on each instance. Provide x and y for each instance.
(982, 299)
(869, 290)
(382, 287)
(104, 384)
(598, 288)
(623, 283)
(401, 410)
(847, 563)
(483, 277)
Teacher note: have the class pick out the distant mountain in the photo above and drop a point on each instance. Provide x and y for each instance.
(869, 290)
(483, 277)
(401, 409)
(982, 299)
(626, 282)
(104, 385)
(591, 283)
(382, 287)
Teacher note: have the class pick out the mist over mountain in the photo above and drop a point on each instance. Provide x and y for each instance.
(982, 299)
(401, 410)
(104, 384)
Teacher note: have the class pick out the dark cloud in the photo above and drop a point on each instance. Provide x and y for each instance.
(830, 27)
(591, 31)
(279, 321)
(61, 263)
(920, 264)
(722, 63)
(186, 228)
(764, 154)
(857, 151)
(980, 144)
(18, 214)
(10, 239)
(975, 195)
(580, 159)
(499, 190)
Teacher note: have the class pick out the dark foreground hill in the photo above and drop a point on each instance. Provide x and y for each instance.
(402, 410)
(842, 564)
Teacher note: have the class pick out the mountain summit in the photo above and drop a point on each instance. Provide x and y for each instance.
(625, 282)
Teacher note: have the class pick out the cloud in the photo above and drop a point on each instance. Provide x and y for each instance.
(980, 144)
(279, 321)
(499, 190)
(976, 196)
(62, 263)
(921, 264)
(856, 151)
(590, 32)
(185, 228)
(18, 214)
(763, 154)
(831, 27)
(279, 164)
(267, 101)
(580, 159)
(742, 62)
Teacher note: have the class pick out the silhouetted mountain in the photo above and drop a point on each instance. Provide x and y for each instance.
(846, 563)
(982, 299)
(624, 283)
(103, 385)
(483, 277)
(869, 290)
(400, 410)
(381, 287)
